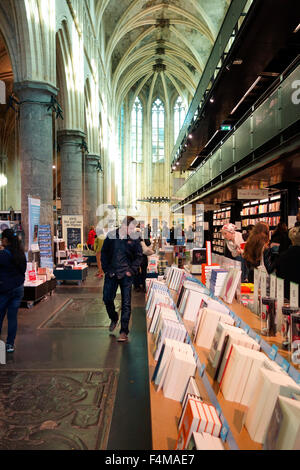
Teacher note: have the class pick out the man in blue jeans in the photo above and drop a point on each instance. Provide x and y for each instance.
(121, 256)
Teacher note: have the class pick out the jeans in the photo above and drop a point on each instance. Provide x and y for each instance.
(109, 294)
(9, 304)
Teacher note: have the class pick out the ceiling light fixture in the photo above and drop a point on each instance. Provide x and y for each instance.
(246, 94)
(211, 100)
(297, 28)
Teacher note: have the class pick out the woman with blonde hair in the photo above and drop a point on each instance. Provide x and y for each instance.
(257, 252)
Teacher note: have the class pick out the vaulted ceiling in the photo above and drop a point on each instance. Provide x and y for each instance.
(158, 46)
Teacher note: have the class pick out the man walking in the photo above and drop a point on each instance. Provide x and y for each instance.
(121, 256)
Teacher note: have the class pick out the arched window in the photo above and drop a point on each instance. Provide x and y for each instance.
(179, 116)
(158, 131)
(137, 132)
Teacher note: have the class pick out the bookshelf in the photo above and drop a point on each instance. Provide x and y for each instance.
(265, 210)
(220, 218)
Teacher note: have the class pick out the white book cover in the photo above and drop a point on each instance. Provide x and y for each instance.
(235, 338)
(193, 303)
(257, 363)
(277, 385)
(169, 345)
(244, 377)
(289, 434)
(264, 400)
(228, 385)
(182, 367)
(217, 343)
(208, 326)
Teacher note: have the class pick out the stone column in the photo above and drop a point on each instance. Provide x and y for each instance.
(91, 192)
(71, 171)
(36, 149)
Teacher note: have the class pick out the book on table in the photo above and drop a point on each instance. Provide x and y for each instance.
(268, 388)
(283, 432)
(207, 326)
(204, 441)
(182, 366)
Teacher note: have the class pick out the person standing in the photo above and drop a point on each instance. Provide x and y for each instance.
(12, 277)
(234, 240)
(288, 264)
(280, 241)
(121, 257)
(257, 252)
(91, 238)
(97, 248)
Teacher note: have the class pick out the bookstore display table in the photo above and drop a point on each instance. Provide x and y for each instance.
(78, 275)
(33, 294)
(165, 413)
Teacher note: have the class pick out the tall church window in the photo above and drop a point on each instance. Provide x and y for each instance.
(120, 165)
(179, 116)
(158, 131)
(137, 132)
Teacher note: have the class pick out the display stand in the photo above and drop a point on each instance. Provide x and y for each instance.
(33, 294)
(165, 412)
(78, 275)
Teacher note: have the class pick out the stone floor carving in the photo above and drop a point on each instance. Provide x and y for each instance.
(56, 410)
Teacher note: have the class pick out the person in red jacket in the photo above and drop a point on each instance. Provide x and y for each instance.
(91, 238)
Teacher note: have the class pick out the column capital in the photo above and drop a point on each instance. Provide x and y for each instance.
(27, 89)
(92, 159)
(69, 135)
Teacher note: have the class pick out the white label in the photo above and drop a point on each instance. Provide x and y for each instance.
(263, 287)
(273, 286)
(256, 287)
(280, 302)
(294, 294)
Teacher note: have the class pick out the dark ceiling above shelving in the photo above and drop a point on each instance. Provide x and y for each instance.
(266, 45)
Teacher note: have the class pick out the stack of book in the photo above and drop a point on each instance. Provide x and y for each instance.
(163, 362)
(268, 387)
(206, 325)
(284, 429)
(204, 441)
(197, 417)
(189, 285)
(190, 304)
(217, 280)
(167, 327)
(230, 285)
(175, 278)
(156, 297)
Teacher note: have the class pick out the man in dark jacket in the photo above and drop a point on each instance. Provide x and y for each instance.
(121, 256)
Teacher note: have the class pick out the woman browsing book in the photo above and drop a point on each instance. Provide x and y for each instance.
(234, 243)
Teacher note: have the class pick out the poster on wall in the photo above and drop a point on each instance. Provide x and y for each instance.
(72, 230)
(45, 244)
(34, 208)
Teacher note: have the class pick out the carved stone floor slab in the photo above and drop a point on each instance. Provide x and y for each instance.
(56, 410)
(80, 312)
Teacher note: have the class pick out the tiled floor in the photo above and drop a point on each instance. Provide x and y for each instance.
(69, 332)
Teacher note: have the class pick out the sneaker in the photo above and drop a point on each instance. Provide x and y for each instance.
(122, 338)
(10, 348)
(113, 325)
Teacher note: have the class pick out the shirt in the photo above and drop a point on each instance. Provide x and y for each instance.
(234, 245)
(120, 264)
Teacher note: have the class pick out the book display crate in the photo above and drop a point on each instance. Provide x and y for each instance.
(33, 294)
(166, 412)
(220, 218)
(78, 275)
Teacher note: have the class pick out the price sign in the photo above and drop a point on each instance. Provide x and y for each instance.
(273, 352)
(224, 432)
(294, 294)
(273, 286)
